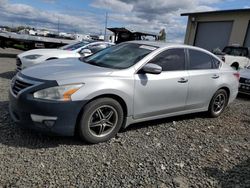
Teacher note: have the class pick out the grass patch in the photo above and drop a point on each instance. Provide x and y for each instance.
(19, 46)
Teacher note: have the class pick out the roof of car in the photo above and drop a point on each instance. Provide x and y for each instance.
(157, 43)
(164, 44)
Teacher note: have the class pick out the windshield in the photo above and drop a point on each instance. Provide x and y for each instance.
(120, 56)
(74, 46)
(236, 51)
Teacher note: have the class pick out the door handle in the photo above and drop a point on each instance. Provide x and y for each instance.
(183, 80)
(215, 76)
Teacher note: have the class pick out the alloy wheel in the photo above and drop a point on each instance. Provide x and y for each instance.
(219, 103)
(103, 121)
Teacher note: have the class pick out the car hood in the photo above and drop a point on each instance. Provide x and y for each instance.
(62, 69)
(245, 73)
(45, 52)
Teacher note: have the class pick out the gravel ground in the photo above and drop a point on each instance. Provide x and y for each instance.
(186, 151)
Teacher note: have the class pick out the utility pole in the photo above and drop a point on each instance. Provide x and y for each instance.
(105, 30)
(58, 23)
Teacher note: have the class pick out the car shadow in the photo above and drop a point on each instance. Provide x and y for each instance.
(238, 176)
(8, 75)
(243, 96)
(14, 136)
(156, 122)
(246, 121)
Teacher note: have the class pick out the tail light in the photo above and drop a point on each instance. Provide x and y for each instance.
(237, 75)
(223, 58)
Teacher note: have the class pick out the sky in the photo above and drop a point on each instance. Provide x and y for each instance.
(88, 17)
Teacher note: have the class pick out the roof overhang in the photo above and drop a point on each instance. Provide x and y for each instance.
(247, 10)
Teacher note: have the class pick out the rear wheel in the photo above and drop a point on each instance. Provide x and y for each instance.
(218, 103)
(101, 120)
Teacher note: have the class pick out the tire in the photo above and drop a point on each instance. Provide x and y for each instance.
(101, 120)
(218, 103)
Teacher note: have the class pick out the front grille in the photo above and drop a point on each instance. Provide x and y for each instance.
(244, 90)
(18, 64)
(19, 85)
(244, 85)
(244, 81)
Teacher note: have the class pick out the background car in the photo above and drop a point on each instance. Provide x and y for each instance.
(124, 84)
(245, 81)
(83, 48)
(235, 56)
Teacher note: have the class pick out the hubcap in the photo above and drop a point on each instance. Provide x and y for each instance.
(219, 103)
(103, 121)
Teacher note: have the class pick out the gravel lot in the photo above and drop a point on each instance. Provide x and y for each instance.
(186, 151)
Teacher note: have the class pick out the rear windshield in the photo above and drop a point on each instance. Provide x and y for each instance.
(236, 51)
(120, 56)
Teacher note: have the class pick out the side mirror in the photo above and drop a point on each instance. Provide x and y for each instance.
(85, 52)
(151, 69)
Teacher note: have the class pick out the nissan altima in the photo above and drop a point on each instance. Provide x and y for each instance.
(131, 82)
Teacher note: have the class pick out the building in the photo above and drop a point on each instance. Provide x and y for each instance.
(217, 29)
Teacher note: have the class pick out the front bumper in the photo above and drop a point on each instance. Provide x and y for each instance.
(59, 118)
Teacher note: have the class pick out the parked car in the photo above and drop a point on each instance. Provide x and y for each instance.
(83, 48)
(131, 82)
(245, 81)
(235, 56)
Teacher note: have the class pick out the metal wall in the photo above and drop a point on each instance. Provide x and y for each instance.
(240, 20)
(247, 37)
(211, 35)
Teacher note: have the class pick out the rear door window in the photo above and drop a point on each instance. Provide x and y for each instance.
(199, 60)
(216, 62)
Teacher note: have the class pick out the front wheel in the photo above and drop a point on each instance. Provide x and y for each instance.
(218, 103)
(101, 120)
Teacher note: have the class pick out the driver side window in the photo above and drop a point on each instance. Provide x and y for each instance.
(170, 60)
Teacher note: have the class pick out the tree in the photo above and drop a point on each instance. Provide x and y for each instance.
(162, 35)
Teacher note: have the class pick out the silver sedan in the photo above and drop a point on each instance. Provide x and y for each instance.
(128, 83)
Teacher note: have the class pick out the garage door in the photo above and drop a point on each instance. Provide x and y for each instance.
(211, 35)
(247, 39)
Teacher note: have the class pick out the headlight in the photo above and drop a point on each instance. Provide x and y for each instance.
(35, 56)
(58, 93)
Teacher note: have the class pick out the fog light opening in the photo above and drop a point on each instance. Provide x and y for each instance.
(49, 123)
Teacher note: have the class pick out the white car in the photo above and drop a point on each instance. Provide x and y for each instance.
(235, 56)
(244, 86)
(83, 48)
